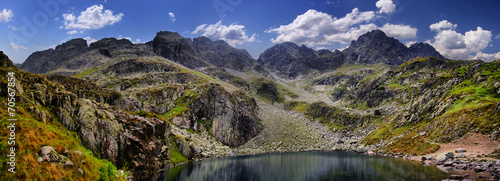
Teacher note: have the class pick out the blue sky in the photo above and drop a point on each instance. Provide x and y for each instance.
(458, 29)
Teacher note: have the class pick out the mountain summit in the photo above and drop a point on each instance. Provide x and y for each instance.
(291, 60)
(376, 47)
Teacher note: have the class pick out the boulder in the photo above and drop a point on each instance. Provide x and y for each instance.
(460, 150)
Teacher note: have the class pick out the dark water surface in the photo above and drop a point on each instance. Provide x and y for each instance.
(303, 166)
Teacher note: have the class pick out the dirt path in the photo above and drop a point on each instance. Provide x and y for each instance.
(288, 131)
(475, 144)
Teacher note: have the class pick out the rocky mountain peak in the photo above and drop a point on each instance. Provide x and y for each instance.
(169, 34)
(376, 47)
(110, 43)
(424, 50)
(292, 60)
(73, 44)
(374, 38)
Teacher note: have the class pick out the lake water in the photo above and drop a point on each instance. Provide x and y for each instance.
(303, 166)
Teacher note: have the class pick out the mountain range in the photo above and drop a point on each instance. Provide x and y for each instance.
(143, 107)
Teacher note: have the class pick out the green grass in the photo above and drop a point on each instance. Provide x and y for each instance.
(176, 157)
(297, 106)
(85, 73)
(395, 86)
(176, 111)
(32, 135)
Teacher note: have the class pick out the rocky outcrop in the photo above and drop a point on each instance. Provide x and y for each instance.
(221, 54)
(375, 47)
(291, 60)
(173, 46)
(231, 116)
(51, 59)
(107, 131)
(86, 90)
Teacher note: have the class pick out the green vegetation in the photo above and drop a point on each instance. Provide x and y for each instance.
(85, 73)
(411, 142)
(176, 157)
(174, 153)
(33, 135)
(395, 86)
(181, 105)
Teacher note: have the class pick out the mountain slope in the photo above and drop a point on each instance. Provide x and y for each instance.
(289, 60)
(124, 109)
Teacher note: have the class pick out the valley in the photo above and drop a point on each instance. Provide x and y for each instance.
(132, 109)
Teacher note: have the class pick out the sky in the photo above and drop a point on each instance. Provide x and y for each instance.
(458, 29)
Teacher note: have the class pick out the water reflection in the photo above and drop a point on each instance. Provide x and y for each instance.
(304, 166)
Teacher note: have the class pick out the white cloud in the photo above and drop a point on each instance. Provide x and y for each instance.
(497, 37)
(385, 6)
(17, 47)
(72, 32)
(444, 24)
(6, 15)
(127, 38)
(399, 31)
(90, 40)
(172, 16)
(317, 28)
(232, 34)
(314, 27)
(94, 17)
(410, 43)
(138, 40)
(352, 34)
(487, 57)
(459, 46)
(332, 3)
(15, 28)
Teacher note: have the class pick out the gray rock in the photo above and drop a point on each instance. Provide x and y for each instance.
(456, 176)
(460, 150)
(449, 155)
(47, 153)
(448, 164)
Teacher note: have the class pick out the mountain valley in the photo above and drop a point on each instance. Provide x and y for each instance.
(115, 105)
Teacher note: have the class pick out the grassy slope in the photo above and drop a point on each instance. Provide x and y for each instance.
(32, 135)
(472, 109)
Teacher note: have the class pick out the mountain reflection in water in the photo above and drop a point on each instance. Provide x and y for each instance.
(303, 166)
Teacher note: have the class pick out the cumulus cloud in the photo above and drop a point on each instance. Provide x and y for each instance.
(399, 31)
(94, 17)
(72, 32)
(172, 16)
(17, 47)
(486, 56)
(410, 43)
(317, 28)
(351, 34)
(442, 25)
(232, 34)
(314, 27)
(497, 37)
(385, 6)
(127, 38)
(456, 45)
(90, 40)
(6, 15)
